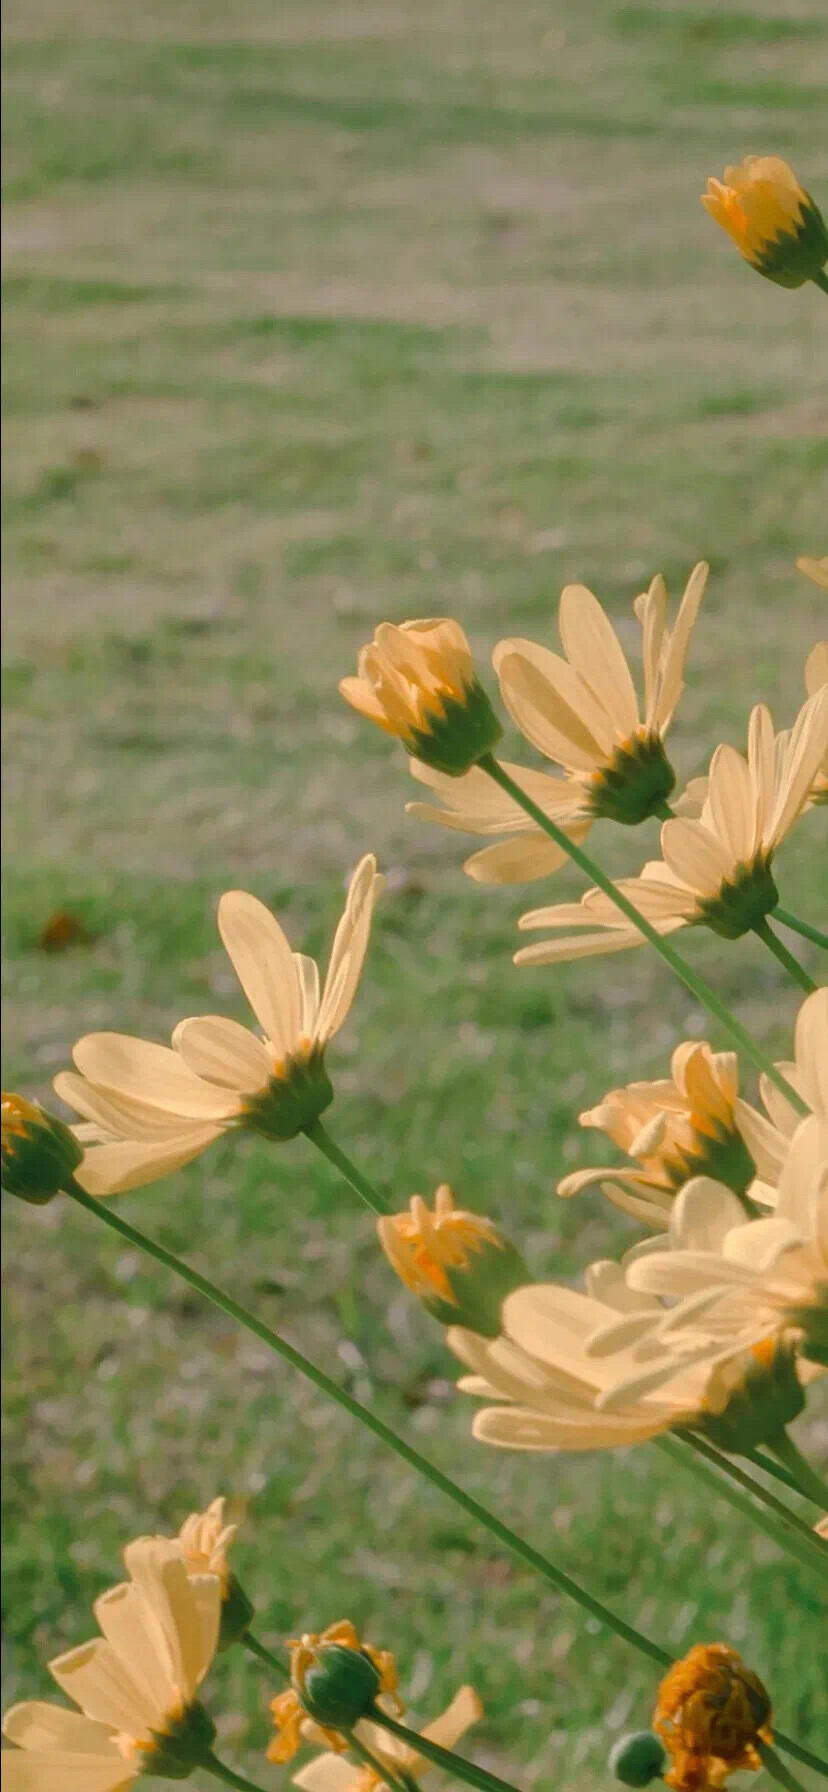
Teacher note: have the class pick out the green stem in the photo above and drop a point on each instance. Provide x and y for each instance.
(442, 1757)
(469, 1505)
(217, 1768)
(821, 280)
(777, 1769)
(555, 1576)
(664, 812)
(385, 1775)
(791, 1458)
(784, 916)
(786, 958)
(321, 1138)
(769, 1467)
(696, 984)
(265, 1655)
(783, 1527)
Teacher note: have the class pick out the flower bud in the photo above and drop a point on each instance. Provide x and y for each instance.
(772, 220)
(457, 1263)
(39, 1153)
(638, 1759)
(418, 683)
(338, 1685)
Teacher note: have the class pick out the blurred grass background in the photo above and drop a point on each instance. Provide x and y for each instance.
(319, 313)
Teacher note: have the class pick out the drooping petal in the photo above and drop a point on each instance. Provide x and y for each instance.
(154, 1074)
(307, 970)
(672, 674)
(450, 1727)
(263, 962)
(807, 745)
(223, 1052)
(518, 860)
(112, 1169)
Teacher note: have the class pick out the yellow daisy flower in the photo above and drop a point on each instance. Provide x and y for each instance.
(136, 1685)
(772, 220)
(332, 1773)
(674, 1129)
(715, 871)
(149, 1109)
(582, 711)
(418, 683)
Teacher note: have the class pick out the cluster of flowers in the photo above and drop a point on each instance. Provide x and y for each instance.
(715, 1324)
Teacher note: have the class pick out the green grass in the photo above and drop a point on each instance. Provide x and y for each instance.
(330, 314)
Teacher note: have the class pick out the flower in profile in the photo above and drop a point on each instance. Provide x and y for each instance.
(712, 1714)
(474, 804)
(676, 1128)
(457, 1263)
(136, 1686)
(205, 1539)
(816, 678)
(149, 1109)
(332, 1773)
(740, 1285)
(773, 221)
(715, 871)
(768, 1139)
(582, 711)
(418, 682)
(335, 1679)
(38, 1152)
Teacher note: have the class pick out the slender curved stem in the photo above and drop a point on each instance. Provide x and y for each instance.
(698, 986)
(727, 1464)
(265, 1655)
(799, 1542)
(777, 1769)
(220, 1771)
(472, 1507)
(321, 1138)
(769, 1467)
(385, 1775)
(810, 1483)
(814, 934)
(794, 969)
(442, 1757)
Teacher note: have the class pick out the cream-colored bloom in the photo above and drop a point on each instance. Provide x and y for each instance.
(582, 711)
(738, 1284)
(816, 678)
(474, 804)
(136, 1684)
(674, 1129)
(771, 219)
(768, 1140)
(715, 871)
(418, 682)
(149, 1109)
(332, 1773)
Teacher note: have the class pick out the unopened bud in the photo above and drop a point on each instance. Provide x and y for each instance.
(457, 1263)
(337, 1685)
(638, 1759)
(39, 1153)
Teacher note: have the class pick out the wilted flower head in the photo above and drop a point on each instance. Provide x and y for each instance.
(712, 1713)
(152, 1109)
(39, 1153)
(674, 1129)
(582, 710)
(715, 871)
(335, 1679)
(332, 1773)
(136, 1685)
(474, 804)
(772, 220)
(417, 682)
(457, 1263)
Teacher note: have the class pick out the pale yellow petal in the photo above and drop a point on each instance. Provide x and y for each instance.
(450, 1727)
(812, 1050)
(519, 1428)
(307, 970)
(703, 1213)
(594, 650)
(223, 1052)
(57, 1772)
(349, 948)
(141, 1646)
(149, 1073)
(119, 1116)
(583, 945)
(806, 748)
(672, 674)
(36, 1724)
(732, 806)
(816, 668)
(517, 860)
(101, 1683)
(552, 706)
(156, 1567)
(766, 1144)
(327, 1773)
(651, 610)
(815, 567)
(112, 1169)
(696, 856)
(263, 962)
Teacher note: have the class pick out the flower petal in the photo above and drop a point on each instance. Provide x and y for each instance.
(37, 1724)
(696, 856)
(149, 1073)
(349, 948)
(520, 859)
(58, 1772)
(101, 1683)
(223, 1052)
(592, 647)
(672, 673)
(552, 706)
(156, 1567)
(112, 1169)
(263, 962)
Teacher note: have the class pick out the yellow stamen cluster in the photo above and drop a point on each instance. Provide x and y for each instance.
(712, 1712)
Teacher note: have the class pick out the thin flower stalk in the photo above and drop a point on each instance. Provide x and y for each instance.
(814, 934)
(765, 933)
(776, 1768)
(791, 1458)
(703, 1447)
(690, 978)
(808, 1550)
(321, 1138)
(442, 1757)
(227, 1775)
(384, 1774)
(472, 1507)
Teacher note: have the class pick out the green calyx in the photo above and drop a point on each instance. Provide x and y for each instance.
(742, 903)
(339, 1687)
(237, 1612)
(458, 734)
(635, 783)
(799, 255)
(750, 1401)
(638, 1759)
(177, 1750)
(479, 1289)
(722, 1155)
(813, 1323)
(291, 1102)
(39, 1153)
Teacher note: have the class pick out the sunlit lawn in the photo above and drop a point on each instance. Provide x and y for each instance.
(317, 314)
